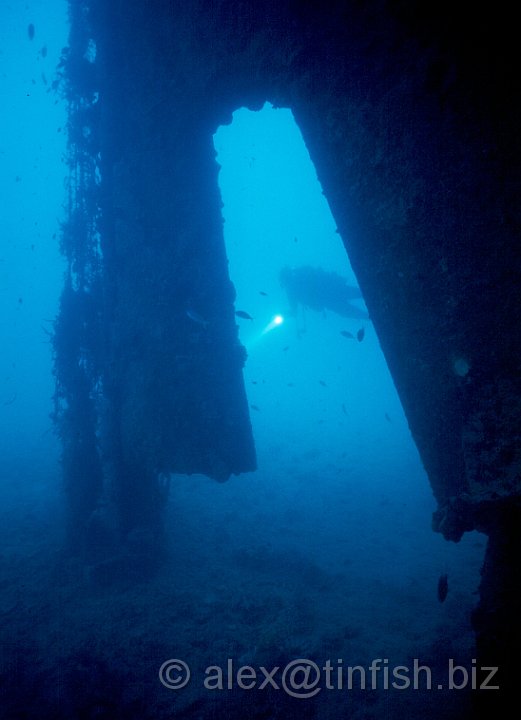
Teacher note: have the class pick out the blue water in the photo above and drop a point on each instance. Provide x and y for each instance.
(324, 553)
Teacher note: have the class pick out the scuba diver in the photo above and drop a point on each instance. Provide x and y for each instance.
(321, 290)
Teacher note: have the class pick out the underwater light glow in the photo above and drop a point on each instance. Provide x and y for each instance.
(275, 322)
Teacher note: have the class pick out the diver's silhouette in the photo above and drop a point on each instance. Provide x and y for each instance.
(321, 290)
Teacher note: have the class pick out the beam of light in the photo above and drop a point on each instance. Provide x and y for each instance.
(275, 322)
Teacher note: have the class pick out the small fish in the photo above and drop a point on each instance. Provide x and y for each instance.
(261, 292)
(360, 334)
(196, 318)
(322, 383)
(30, 31)
(285, 349)
(244, 315)
(255, 407)
(443, 587)
(387, 418)
(344, 409)
(347, 334)
(254, 382)
(290, 384)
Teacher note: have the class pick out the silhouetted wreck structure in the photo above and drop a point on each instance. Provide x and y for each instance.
(407, 110)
